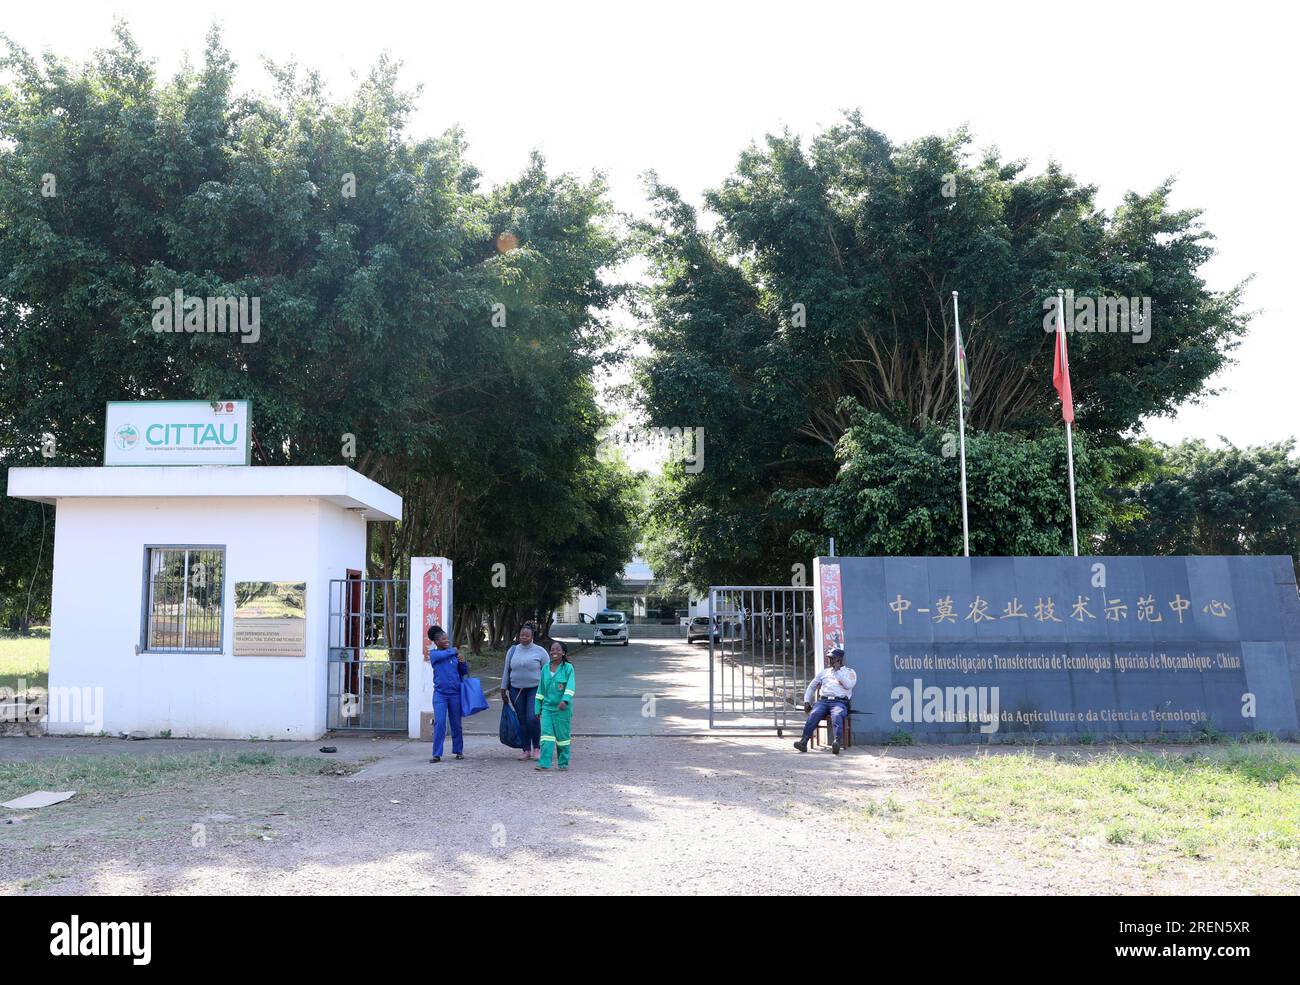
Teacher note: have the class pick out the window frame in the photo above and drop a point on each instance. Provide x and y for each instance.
(146, 601)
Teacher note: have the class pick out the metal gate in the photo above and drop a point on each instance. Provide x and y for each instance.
(762, 654)
(367, 688)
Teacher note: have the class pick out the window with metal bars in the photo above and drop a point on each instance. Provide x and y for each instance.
(184, 588)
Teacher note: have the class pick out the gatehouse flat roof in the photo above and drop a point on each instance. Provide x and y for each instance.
(337, 484)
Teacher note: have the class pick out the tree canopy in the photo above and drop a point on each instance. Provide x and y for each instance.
(819, 282)
(443, 337)
(442, 333)
(1195, 499)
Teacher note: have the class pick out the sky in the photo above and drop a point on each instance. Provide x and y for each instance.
(1122, 95)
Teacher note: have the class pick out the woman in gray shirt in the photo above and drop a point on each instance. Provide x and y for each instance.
(519, 680)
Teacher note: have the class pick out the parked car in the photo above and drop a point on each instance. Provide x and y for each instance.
(699, 629)
(611, 627)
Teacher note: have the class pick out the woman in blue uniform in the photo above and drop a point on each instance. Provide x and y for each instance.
(448, 669)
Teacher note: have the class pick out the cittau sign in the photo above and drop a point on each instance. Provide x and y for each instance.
(177, 432)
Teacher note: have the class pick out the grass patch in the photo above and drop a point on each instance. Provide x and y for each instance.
(25, 658)
(887, 808)
(1232, 801)
(95, 777)
(44, 881)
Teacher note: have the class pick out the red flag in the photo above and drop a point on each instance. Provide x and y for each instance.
(1061, 369)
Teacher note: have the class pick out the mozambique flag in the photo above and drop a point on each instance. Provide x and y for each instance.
(963, 373)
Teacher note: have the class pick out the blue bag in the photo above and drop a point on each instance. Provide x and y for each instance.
(471, 696)
(509, 732)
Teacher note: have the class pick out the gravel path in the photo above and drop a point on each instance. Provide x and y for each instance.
(635, 815)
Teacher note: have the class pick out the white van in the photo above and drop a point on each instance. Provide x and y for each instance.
(611, 627)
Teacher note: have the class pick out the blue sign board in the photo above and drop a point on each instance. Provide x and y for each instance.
(989, 649)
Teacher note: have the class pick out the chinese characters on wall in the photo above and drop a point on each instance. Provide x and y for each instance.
(1045, 609)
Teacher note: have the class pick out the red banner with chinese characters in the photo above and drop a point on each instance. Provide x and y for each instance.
(433, 589)
(831, 603)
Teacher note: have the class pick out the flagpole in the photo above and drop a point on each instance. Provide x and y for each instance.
(961, 428)
(1074, 520)
(1069, 438)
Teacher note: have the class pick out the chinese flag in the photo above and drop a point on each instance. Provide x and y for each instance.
(1061, 370)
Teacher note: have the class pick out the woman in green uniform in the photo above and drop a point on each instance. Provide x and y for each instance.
(555, 706)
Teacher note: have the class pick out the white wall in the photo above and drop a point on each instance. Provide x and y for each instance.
(592, 603)
(587, 603)
(97, 601)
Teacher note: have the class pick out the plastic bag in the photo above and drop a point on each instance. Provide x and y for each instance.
(509, 731)
(472, 700)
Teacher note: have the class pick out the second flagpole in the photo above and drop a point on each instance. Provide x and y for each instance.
(1074, 519)
(1069, 436)
(961, 425)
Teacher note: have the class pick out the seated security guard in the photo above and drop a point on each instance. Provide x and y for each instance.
(836, 683)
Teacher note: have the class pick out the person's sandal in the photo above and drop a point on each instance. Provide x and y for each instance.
(435, 759)
(460, 755)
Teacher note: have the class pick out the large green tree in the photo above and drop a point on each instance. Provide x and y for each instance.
(896, 493)
(444, 333)
(825, 272)
(1195, 499)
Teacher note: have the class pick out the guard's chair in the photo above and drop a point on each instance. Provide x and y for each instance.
(830, 728)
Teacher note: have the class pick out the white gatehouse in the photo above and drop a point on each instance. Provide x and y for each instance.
(192, 600)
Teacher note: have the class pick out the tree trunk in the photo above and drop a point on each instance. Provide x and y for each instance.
(474, 626)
